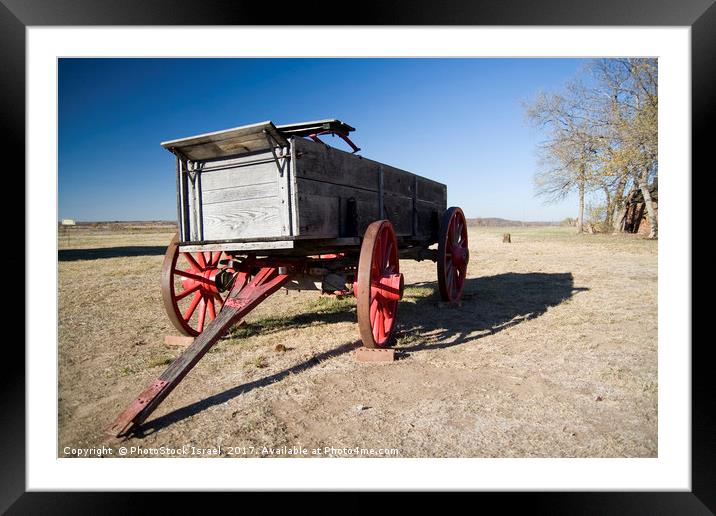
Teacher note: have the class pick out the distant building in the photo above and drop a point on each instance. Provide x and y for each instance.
(67, 222)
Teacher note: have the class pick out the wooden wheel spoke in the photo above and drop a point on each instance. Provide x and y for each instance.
(189, 275)
(192, 307)
(389, 258)
(379, 325)
(200, 259)
(183, 294)
(194, 265)
(383, 324)
(211, 307)
(202, 315)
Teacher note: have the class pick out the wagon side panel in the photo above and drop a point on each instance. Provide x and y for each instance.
(242, 198)
(431, 202)
(339, 194)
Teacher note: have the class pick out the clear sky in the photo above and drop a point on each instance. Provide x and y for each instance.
(457, 121)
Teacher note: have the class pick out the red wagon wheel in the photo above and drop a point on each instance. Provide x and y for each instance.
(379, 285)
(189, 288)
(453, 254)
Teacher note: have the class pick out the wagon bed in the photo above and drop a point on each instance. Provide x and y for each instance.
(266, 188)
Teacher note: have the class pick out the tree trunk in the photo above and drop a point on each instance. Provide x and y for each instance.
(618, 201)
(609, 212)
(650, 211)
(619, 220)
(580, 220)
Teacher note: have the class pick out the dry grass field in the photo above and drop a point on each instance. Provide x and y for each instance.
(553, 353)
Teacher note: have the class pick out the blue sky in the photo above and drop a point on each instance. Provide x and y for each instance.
(457, 121)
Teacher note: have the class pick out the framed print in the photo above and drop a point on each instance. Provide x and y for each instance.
(615, 406)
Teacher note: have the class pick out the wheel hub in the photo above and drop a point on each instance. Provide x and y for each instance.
(390, 287)
(459, 255)
(207, 284)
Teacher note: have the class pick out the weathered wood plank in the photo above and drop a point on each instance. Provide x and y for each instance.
(432, 191)
(366, 205)
(429, 218)
(238, 246)
(293, 191)
(239, 193)
(227, 142)
(285, 191)
(243, 219)
(239, 176)
(396, 181)
(297, 247)
(245, 159)
(320, 216)
(323, 163)
(397, 209)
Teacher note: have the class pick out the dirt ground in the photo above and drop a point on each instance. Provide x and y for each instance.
(553, 353)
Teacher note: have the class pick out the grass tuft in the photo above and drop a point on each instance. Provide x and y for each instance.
(160, 361)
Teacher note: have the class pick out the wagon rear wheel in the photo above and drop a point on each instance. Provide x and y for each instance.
(453, 255)
(191, 297)
(379, 285)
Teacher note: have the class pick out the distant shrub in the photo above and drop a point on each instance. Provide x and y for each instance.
(595, 215)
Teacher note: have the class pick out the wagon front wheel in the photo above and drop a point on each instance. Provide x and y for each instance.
(453, 255)
(189, 290)
(379, 285)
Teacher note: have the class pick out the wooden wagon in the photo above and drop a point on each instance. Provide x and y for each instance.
(262, 207)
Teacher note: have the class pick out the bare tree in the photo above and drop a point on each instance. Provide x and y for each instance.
(568, 154)
(602, 136)
(632, 121)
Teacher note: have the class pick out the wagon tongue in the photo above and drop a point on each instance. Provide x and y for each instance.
(241, 300)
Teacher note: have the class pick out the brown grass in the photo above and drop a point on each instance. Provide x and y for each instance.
(553, 353)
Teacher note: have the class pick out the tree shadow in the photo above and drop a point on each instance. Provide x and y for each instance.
(71, 255)
(489, 305)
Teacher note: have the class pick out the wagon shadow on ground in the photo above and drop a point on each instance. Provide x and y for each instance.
(490, 304)
(72, 255)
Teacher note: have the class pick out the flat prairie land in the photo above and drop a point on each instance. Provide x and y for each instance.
(553, 353)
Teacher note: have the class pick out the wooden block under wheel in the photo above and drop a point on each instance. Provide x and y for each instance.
(364, 354)
(178, 341)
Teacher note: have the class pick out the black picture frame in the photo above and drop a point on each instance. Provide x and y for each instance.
(16, 15)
